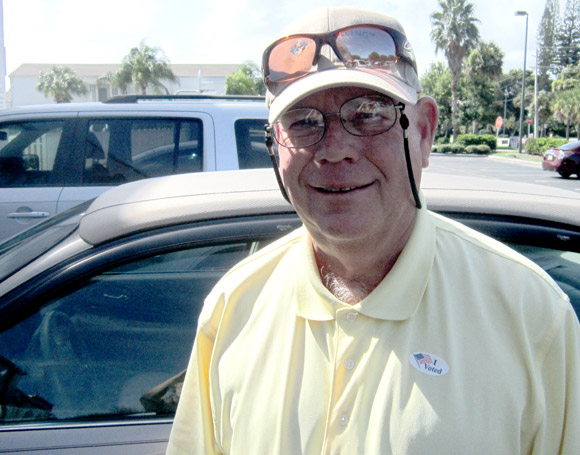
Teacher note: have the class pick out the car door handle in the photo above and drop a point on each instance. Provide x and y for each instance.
(28, 215)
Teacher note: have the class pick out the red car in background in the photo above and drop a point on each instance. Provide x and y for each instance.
(565, 160)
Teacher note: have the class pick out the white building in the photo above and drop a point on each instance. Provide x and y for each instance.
(192, 78)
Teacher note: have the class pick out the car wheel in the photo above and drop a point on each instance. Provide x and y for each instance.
(564, 174)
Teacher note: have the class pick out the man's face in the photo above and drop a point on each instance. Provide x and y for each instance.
(348, 187)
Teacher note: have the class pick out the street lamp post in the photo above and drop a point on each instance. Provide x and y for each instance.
(523, 13)
(536, 135)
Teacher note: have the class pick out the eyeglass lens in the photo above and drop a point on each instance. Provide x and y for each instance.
(362, 116)
(291, 59)
(366, 46)
(360, 46)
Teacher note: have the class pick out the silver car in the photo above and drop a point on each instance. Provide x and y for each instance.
(98, 305)
(53, 157)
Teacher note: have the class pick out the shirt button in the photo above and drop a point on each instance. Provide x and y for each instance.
(351, 317)
(343, 419)
(349, 364)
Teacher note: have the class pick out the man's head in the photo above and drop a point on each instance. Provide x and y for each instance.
(343, 97)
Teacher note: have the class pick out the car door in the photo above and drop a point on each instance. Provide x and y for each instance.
(125, 148)
(29, 187)
(94, 360)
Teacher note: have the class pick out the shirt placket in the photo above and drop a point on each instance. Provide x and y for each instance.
(342, 397)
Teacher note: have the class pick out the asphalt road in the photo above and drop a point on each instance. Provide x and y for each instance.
(501, 169)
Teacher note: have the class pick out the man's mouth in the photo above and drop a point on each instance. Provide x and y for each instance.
(345, 189)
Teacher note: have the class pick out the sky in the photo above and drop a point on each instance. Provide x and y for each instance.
(225, 31)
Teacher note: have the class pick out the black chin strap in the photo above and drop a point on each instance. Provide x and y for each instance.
(270, 146)
(404, 121)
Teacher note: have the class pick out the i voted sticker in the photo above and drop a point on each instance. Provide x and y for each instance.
(430, 364)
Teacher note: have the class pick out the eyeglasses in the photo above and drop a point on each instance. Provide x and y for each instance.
(365, 46)
(361, 116)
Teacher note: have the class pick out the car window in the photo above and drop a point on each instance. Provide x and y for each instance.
(27, 152)
(123, 150)
(116, 344)
(252, 152)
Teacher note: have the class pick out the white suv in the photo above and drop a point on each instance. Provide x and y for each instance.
(53, 157)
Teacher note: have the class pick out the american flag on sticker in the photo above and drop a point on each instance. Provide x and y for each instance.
(423, 358)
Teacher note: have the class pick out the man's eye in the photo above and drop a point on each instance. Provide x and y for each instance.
(367, 116)
(304, 124)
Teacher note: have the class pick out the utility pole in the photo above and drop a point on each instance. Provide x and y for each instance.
(522, 109)
(504, 111)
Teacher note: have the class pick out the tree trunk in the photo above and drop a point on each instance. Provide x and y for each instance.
(454, 103)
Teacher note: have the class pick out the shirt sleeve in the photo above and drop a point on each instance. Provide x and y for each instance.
(193, 427)
(558, 431)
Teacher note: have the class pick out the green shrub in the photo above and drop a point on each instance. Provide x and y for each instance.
(481, 149)
(478, 139)
(532, 146)
(448, 148)
(538, 146)
(544, 143)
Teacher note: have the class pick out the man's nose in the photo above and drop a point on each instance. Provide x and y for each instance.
(337, 144)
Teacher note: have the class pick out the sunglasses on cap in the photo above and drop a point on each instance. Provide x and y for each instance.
(357, 46)
(369, 115)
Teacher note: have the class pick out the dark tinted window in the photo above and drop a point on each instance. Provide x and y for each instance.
(114, 346)
(28, 151)
(123, 150)
(252, 151)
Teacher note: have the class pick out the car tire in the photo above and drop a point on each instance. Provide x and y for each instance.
(564, 174)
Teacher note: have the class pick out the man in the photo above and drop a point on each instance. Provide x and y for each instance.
(378, 327)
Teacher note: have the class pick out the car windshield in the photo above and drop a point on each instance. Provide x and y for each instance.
(570, 146)
(23, 248)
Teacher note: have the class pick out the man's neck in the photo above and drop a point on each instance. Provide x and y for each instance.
(351, 270)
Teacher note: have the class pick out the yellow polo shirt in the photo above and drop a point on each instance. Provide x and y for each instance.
(465, 347)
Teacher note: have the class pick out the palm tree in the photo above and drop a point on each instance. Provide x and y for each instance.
(61, 83)
(454, 32)
(144, 66)
(567, 108)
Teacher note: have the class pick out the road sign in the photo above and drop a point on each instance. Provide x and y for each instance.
(529, 120)
(498, 122)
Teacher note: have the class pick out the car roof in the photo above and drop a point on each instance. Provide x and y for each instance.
(172, 200)
(140, 104)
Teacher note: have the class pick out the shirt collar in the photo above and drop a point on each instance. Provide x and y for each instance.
(396, 298)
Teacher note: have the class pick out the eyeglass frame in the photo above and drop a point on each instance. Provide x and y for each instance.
(397, 106)
(319, 39)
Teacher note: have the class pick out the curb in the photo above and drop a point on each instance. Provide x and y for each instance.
(535, 164)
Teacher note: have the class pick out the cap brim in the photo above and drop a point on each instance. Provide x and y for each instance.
(340, 77)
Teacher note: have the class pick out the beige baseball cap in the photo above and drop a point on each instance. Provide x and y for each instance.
(399, 80)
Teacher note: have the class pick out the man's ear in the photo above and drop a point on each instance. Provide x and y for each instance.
(426, 117)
